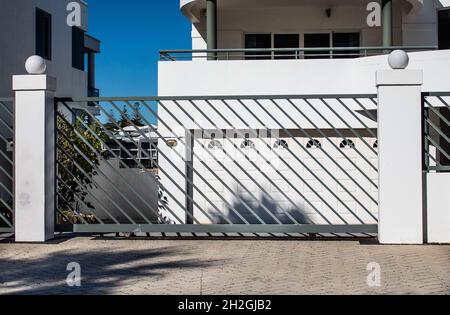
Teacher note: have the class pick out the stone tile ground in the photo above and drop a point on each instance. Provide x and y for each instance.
(143, 266)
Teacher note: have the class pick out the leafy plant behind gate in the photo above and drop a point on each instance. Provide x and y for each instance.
(78, 156)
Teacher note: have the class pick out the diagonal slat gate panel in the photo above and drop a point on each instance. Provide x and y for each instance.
(436, 132)
(267, 164)
(6, 165)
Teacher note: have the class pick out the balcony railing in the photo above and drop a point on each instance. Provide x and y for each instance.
(284, 53)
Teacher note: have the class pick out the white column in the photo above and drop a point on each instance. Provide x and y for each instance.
(34, 157)
(400, 156)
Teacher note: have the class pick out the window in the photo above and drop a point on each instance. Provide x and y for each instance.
(247, 144)
(347, 144)
(313, 144)
(346, 40)
(317, 41)
(258, 41)
(286, 41)
(215, 145)
(149, 155)
(129, 160)
(77, 48)
(443, 29)
(281, 144)
(43, 34)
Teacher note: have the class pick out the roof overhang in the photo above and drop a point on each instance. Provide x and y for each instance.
(91, 44)
(416, 6)
(192, 9)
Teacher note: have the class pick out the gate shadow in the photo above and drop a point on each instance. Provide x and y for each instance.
(101, 270)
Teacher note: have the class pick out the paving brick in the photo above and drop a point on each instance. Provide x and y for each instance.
(284, 266)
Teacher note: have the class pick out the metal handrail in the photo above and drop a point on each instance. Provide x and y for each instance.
(292, 53)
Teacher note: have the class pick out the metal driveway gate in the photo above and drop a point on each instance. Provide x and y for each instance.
(437, 132)
(247, 164)
(6, 165)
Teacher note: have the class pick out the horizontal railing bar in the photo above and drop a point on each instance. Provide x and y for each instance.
(216, 97)
(219, 228)
(167, 53)
(436, 94)
(439, 168)
(6, 99)
(7, 230)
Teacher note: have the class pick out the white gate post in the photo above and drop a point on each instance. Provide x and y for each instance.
(34, 145)
(400, 152)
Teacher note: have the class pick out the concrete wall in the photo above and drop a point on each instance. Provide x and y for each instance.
(438, 207)
(139, 188)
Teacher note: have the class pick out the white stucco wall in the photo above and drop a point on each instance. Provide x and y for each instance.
(262, 77)
(17, 39)
(438, 210)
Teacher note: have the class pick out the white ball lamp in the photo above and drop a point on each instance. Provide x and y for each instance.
(398, 60)
(35, 65)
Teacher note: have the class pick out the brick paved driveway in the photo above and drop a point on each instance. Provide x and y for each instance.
(125, 266)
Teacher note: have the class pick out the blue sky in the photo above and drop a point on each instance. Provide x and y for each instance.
(132, 33)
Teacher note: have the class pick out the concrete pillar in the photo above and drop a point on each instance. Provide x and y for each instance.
(211, 26)
(387, 23)
(400, 156)
(34, 157)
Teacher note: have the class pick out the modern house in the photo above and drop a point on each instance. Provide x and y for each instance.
(40, 27)
(243, 50)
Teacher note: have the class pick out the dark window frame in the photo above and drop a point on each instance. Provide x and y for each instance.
(43, 34)
(443, 43)
(78, 58)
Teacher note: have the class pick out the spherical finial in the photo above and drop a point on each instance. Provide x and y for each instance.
(398, 59)
(35, 65)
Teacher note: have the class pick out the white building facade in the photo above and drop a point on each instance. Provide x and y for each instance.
(40, 27)
(250, 49)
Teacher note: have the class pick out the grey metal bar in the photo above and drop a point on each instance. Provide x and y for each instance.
(234, 162)
(86, 190)
(339, 150)
(106, 162)
(85, 174)
(184, 175)
(278, 172)
(174, 55)
(253, 164)
(100, 172)
(2, 217)
(215, 97)
(439, 131)
(341, 135)
(131, 156)
(441, 150)
(289, 166)
(301, 162)
(162, 170)
(436, 112)
(207, 167)
(226, 228)
(352, 130)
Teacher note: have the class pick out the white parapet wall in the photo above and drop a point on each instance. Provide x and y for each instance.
(260, 77)
(438, 207)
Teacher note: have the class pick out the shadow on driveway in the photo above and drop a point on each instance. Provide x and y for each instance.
(102, 270)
